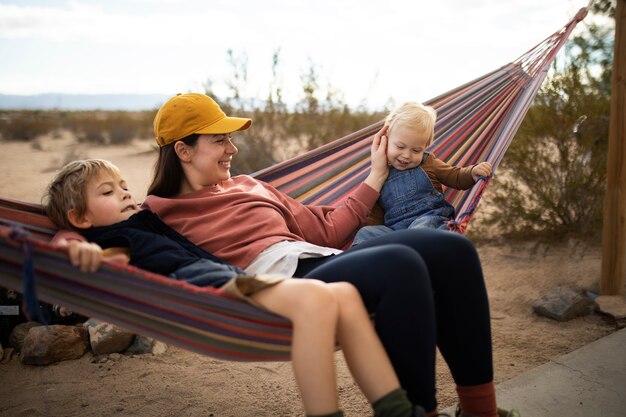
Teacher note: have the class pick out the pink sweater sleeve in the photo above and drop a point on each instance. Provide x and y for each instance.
(325, 225)
(64, 234)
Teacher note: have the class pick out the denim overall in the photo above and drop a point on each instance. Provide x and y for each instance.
(410, 201)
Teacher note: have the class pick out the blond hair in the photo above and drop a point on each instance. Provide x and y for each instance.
(415, 116)
(67, 191)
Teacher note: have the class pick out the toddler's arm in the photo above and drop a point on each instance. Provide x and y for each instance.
(481, 170)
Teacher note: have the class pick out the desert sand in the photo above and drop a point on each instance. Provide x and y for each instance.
(180, 383)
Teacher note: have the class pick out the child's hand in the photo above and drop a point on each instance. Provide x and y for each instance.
(84, 255)
(481, 170)
(119, 256)
(380, 166)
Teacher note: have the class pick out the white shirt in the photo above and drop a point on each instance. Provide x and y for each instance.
(282, 258)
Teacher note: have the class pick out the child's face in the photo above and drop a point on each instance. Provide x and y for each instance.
(406, 147)
(108, 200)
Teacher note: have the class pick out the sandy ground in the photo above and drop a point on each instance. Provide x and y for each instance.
(180, 383)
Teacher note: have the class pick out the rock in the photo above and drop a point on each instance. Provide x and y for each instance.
(8, 355)
(44, 345)
(143, 344)
(613, 305)
(563, 304)
(16, 339)
(106, 338)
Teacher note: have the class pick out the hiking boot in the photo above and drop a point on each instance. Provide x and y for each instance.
(501, 413)
(508, 413)
(419, 412)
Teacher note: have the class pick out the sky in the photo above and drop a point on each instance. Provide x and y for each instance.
(371, 52)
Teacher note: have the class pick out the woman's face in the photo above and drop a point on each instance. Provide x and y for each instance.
(210, 160)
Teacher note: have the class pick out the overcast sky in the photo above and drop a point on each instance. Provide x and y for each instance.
(370, 50)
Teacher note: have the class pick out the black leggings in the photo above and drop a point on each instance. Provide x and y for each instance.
(425, 287)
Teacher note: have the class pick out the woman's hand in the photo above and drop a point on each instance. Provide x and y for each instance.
(481, 170)
(380, 166)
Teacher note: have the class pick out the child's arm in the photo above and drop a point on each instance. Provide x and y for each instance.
(481, 170)
(86, 255)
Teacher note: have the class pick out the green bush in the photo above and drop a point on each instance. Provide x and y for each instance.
(551, 183)
(26, 125)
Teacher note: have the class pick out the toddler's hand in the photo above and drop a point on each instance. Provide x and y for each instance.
(481, 170)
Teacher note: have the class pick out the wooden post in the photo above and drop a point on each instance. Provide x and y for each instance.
(614, 228)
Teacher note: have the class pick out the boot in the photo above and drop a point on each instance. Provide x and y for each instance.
(420, 412)
(501, 412)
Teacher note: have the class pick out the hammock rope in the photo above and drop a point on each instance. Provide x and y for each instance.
(18, 236)
(476, 122)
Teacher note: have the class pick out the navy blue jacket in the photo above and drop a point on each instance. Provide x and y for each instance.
(156, 247)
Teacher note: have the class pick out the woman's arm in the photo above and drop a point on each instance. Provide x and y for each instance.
(325, 225)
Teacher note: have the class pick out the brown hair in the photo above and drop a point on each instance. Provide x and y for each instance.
(168, 173)
(67, 190)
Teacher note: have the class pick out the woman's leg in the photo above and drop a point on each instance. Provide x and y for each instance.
(313, 310)
(394, 285)
(462, 311)
(461, 303)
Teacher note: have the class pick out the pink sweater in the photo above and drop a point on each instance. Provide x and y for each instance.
(240, 218)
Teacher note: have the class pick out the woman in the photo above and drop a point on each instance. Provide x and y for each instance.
(424, 287)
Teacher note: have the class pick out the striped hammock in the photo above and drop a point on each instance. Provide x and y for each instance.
(476, 122)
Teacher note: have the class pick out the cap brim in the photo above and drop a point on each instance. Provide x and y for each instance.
(225, 125)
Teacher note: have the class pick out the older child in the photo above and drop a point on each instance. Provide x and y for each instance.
(92, 198)
(412, 196)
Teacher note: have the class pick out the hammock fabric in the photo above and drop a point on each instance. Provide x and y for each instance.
(476, 122)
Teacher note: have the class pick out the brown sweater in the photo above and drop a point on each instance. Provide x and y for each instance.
(441, 173)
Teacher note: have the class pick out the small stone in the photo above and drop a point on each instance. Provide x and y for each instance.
(563, 304)
(106, 338)
(143, 345)
(613, 305)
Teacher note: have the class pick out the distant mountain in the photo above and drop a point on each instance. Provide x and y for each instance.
(58, 101)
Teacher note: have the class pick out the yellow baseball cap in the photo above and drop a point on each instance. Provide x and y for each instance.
(186, 114)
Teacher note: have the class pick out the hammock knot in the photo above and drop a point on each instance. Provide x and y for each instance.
(456, 226)
(582, 13)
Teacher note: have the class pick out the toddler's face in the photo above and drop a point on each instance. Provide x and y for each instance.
(108, 200)
(406, 147)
